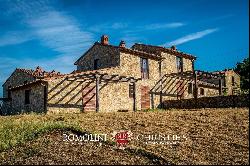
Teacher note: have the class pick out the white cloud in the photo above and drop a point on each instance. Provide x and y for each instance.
(190, 37)
(61, 32)
(155, 26)
(119, 25)
(56, 30)
(164, 25)
(108, 26)
(15, 37)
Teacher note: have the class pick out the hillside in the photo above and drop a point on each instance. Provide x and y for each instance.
(213, 136)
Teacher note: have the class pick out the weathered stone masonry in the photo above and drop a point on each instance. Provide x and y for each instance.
(109, 78)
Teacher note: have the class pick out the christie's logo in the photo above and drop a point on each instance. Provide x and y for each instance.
(122, 138)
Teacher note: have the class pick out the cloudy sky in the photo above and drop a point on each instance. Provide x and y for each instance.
(54, 33)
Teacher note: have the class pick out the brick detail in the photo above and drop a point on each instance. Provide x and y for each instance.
(180, 88)
(145, 98)
(88, 98)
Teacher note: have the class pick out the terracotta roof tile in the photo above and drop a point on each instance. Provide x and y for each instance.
(40, 73)
(126, 50)
(27, 84)
(134, 52)
(157, 50)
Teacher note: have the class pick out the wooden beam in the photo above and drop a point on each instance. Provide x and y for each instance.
(81, 80)
(71, 79)
(97, 92)
(160, 74)
(195, 85)
(134, 97)
(152, 100)
(220, 86)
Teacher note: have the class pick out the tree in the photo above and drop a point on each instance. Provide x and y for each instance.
(242, 69)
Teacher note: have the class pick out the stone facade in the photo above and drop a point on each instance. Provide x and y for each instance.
(209, 102)
(65, 95)
(17, 78)
(36, 99)
(232, 83)
(106, 56)
(60, 94)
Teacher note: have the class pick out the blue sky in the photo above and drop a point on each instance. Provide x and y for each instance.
(54, 33)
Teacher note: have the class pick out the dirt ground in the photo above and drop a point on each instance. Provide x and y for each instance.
(212, 136)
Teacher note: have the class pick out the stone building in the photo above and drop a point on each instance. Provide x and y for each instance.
(112, 78)
(230, 81)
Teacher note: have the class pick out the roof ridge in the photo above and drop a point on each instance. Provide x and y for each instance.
(39, 72)
(167, 49)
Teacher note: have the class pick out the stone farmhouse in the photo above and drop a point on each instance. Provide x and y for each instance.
(115, 78)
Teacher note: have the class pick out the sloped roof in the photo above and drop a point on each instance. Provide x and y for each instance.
(72, 74)
(140, 53)
(223, 72)
(157, 50)
(28, 84)
(38, 73)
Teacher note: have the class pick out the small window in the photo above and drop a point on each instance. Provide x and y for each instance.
(27, 96)
(233, 82)
(144, 68)
(179, 64)
(131, 90)
(190, 88)
(9, 92)
(96, 64)
(202, 92)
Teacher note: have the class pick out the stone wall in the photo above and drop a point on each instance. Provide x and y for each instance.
(108, 57)
(36, 100)
(209, 102)
(130, 66)
(16, 78)
(228, 82)
(169, 64)
(65, 96)
(208, 92)
(115, 97)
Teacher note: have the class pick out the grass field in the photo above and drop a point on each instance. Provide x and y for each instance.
(214, 136)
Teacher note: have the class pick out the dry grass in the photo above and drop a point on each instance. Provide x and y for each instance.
(214, 136)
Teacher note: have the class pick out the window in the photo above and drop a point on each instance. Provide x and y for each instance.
(9, 92)
(144, 68)
(233, 82)
(96, 64)
(27, 96)
(131, 90)
(190, 88)
(202, 92)
(179, 64)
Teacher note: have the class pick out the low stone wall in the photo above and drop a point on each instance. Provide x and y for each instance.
(209, 102)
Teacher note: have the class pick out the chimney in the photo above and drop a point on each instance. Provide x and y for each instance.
(173, 47)
(104, 40)
(122, 44)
